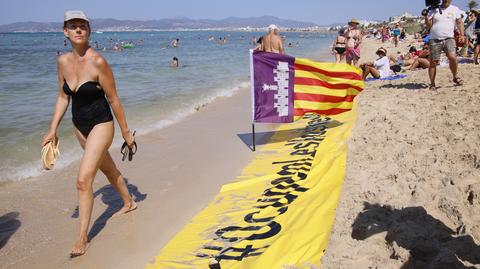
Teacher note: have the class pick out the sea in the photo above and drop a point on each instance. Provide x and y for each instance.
(154, 95)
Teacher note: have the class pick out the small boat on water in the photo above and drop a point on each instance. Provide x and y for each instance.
(99, 32)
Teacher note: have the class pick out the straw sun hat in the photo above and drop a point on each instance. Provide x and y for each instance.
(50, 153)
(354, 21)
(382, 50)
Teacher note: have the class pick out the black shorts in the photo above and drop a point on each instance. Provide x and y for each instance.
(340, 50)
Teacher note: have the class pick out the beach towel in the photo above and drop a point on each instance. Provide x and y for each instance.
(285, 88)
(386, 78)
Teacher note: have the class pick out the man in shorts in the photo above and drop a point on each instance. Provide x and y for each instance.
(441, 22)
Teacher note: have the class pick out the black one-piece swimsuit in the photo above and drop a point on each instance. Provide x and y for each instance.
(89, 106)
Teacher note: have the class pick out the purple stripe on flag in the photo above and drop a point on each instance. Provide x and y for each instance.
(273, 80)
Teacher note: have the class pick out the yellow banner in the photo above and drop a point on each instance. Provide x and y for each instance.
(279, 212)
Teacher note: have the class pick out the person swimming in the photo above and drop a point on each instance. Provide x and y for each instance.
(174, 63)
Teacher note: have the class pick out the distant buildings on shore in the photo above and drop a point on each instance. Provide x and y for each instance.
(403, 19)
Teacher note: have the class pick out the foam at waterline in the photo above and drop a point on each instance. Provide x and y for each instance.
(34, 169)
(223, 92)
(68, 156)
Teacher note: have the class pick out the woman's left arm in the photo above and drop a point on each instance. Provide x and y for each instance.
(107, 81)
(360, 37)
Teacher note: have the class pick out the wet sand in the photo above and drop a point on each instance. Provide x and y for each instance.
(175, 173)
(411, 195)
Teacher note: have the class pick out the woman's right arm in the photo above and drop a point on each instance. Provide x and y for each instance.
(60, 107)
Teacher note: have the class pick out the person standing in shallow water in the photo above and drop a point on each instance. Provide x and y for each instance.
(85, 77)
(272, 42)
(338, 47)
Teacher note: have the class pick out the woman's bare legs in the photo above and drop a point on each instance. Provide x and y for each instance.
(96, 156)
(338, 57)
(476, 52)
(370, 70)
(95, 149)
(355, 61)
(115, 178)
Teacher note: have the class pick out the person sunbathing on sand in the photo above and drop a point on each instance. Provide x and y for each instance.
(378, 69)
(85, 77)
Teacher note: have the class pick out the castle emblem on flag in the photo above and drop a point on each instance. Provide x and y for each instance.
(281, 77)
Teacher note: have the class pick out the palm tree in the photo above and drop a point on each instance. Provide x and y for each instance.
(472, 4)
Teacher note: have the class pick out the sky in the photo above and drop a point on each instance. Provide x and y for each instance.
(320, 12)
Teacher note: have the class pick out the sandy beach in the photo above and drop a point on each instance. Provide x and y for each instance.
(411, 196)
(175, 173)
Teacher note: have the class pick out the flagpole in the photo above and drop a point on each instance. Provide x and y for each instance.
(252, 87)
(253, 135)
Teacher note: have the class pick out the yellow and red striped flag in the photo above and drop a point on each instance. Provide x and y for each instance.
(286, 88)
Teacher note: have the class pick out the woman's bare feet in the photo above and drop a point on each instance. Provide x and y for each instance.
(79, 248)
(126, 208)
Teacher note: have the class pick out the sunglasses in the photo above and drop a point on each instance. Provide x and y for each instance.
(128, 152)
(74, 26)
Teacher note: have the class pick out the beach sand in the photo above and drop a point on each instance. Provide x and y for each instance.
(413, 156)
(411, 195)
(176, 172)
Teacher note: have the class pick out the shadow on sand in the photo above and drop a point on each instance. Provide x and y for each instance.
(9, 224)
(430, 242)
(114, 203)
(408, 86)
(263, 138)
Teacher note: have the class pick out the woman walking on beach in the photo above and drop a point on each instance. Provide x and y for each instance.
(338, 47)
(85, 76)
(354, 39)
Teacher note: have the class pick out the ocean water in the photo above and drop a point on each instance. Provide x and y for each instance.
(154, 95)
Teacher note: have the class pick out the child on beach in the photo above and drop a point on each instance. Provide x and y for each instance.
(396, 34)
(85, 77)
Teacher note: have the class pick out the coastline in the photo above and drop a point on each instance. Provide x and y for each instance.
(154, 94)
(179, 168)
(176, 172)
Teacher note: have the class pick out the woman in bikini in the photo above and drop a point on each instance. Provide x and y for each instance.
(85, 77)
(354, 39)
(338, 47)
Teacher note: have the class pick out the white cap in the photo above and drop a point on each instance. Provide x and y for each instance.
(75, 14)
(272, 27)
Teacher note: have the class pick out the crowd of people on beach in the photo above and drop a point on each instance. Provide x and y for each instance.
(83, 72)
(446, 29)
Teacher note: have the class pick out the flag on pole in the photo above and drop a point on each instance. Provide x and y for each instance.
(285, 88)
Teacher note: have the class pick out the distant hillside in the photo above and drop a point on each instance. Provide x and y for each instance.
(161, 24)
